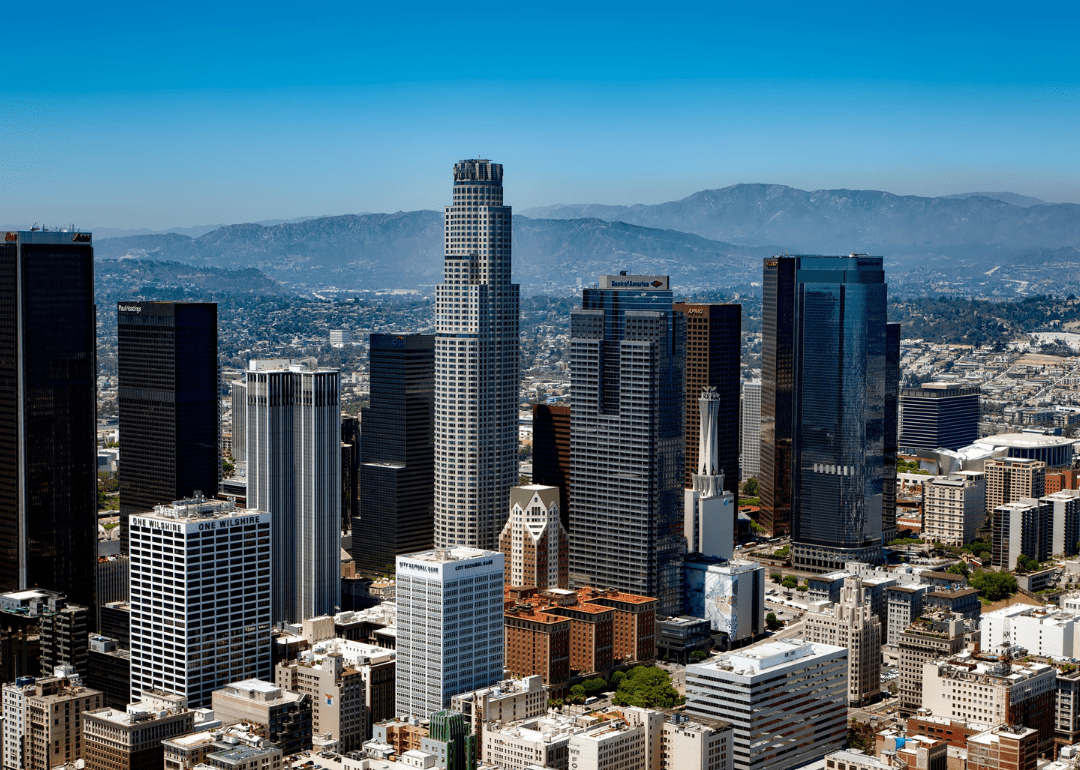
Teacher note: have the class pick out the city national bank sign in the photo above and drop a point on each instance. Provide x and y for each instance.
(430, 568)
(206, 525)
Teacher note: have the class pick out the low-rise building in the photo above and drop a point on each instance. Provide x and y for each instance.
(131, 739)
(954, 507)
(1041, 630)
(932, 637)
(537, 742)
(511, 700)
(680, 636)
(1005, 747)
(286, 715)
(337, 696)
(694, 743)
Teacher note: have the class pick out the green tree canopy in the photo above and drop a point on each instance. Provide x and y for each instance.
(646, 687)
(993, 586)
(789, 582)
(771, 621)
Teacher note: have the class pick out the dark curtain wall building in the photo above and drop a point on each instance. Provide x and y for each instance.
(713, 354)
(777, 370)
(939, 415)
(170, 430)
(551, 453)
(397, 458)
(350, 470)
(48, 414)
(892, 430)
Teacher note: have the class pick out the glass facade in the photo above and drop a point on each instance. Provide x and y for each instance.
(48, 412)
(168, 404)
(777, 382)
(397, 453)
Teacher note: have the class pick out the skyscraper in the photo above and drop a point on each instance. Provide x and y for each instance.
(777, 383)
(533, 540)
(48, 407)
(713, 355)
(827, 316)
(170, 443)
(939, 415)
(551, 453)
(450, 626)
(892, 431)
(294, 474)
(750, 457)
(476, 363)
(396, 454)
(709, 513)
(627, 352)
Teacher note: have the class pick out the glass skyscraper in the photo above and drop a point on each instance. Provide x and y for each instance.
(48, 409)
(170, 433)
(828, 316)
(627, 356)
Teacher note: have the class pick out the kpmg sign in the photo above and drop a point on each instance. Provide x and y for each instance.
(644, 282)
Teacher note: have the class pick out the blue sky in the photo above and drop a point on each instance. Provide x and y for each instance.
(176, 114)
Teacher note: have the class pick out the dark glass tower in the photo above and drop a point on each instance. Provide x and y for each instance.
(551, 453)
(713, 355)
(170, 429)
(777, 382)
(892, 430)
(840, 366)
(939, 415)
(397, 457)
(627, 358)
(48, 414)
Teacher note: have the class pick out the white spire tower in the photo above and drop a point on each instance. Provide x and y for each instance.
(709, 480)
(708, 511)
(476, 364)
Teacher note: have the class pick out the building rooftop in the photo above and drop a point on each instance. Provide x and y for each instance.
(446, 555)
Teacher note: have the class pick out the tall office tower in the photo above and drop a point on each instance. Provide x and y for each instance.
(294, 474)
(450, 626)
(48, 404)
(713, 356)
(476, 364)
(350, 470)
(1009, 479)
(777, 395)
(851, 623)
(170, 433)
(64, 640)
(750, 439)
(397, 458)
(939, 415)
(238, 390)
(627, 352)
(200, 598)
(533, 541)
(892, 431)
(551, 453)
(824, 321)
(709, 513)
(1022, 527)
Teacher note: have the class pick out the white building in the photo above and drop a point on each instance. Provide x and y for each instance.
(954, 507)
(613, 745)
(787, 701)
(731, 596)
(1045, 631)
(689, 744)
(186, 558)
(511, 700)
(449, 626)
(534, 541)
(476, 363)
(294, 474)
(1063, 509)
(709, 513)
(541, 741)
(339, 338)
(851, 623)
(983, 692)
(15, 720)
(750, 439)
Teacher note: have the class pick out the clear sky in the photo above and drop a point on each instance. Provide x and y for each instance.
(174, 114)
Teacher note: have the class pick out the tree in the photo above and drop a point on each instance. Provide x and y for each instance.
(1025, 563)
(646, 687)
(750, 487)
(594, 686)
(993, 586)
(960, 568)
(617, 678)
(523, 480)
(698, 655)
(803, 589)
(227, 469)
(577, 694)
(789, 582)
(771, 622)
(555, 703)
(776, 577)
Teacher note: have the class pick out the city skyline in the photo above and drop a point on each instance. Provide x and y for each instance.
(229, 109)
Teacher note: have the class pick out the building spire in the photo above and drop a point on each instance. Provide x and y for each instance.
(709, 479)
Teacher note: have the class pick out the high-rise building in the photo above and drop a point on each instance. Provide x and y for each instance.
(184, 559)
(14, 725)
(48, 407)
(1020, 528)
(892, 431)
(238, 391)
(730, 595)
(294, 474)
(350, 471)
(551, 453)
(54, 722)
(1009, 479)
(799, 694)
(750, 439)
(709, 513)
(476, 364)
(939, 415)
(396, 454)
(1062, 510)
(713, 356)
(167, 398)
(825, 366)
(626, 439)
(450, 626)
(110, 671)
(852, 624)
(533, 541)
(64, 640)
(954, 507)
(935, 636)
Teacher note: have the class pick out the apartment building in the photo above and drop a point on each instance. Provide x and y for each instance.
(1010, 478)
(511, 700)
(954, 507)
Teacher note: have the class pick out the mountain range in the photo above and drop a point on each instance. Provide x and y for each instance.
(712, 239)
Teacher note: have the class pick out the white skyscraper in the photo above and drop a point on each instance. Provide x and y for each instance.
(200, 597)
(750, 455)
(476, 364)
(449, 626)
(709, 513)
(294, 474)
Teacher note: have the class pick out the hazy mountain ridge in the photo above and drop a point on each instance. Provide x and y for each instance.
(842, 221)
